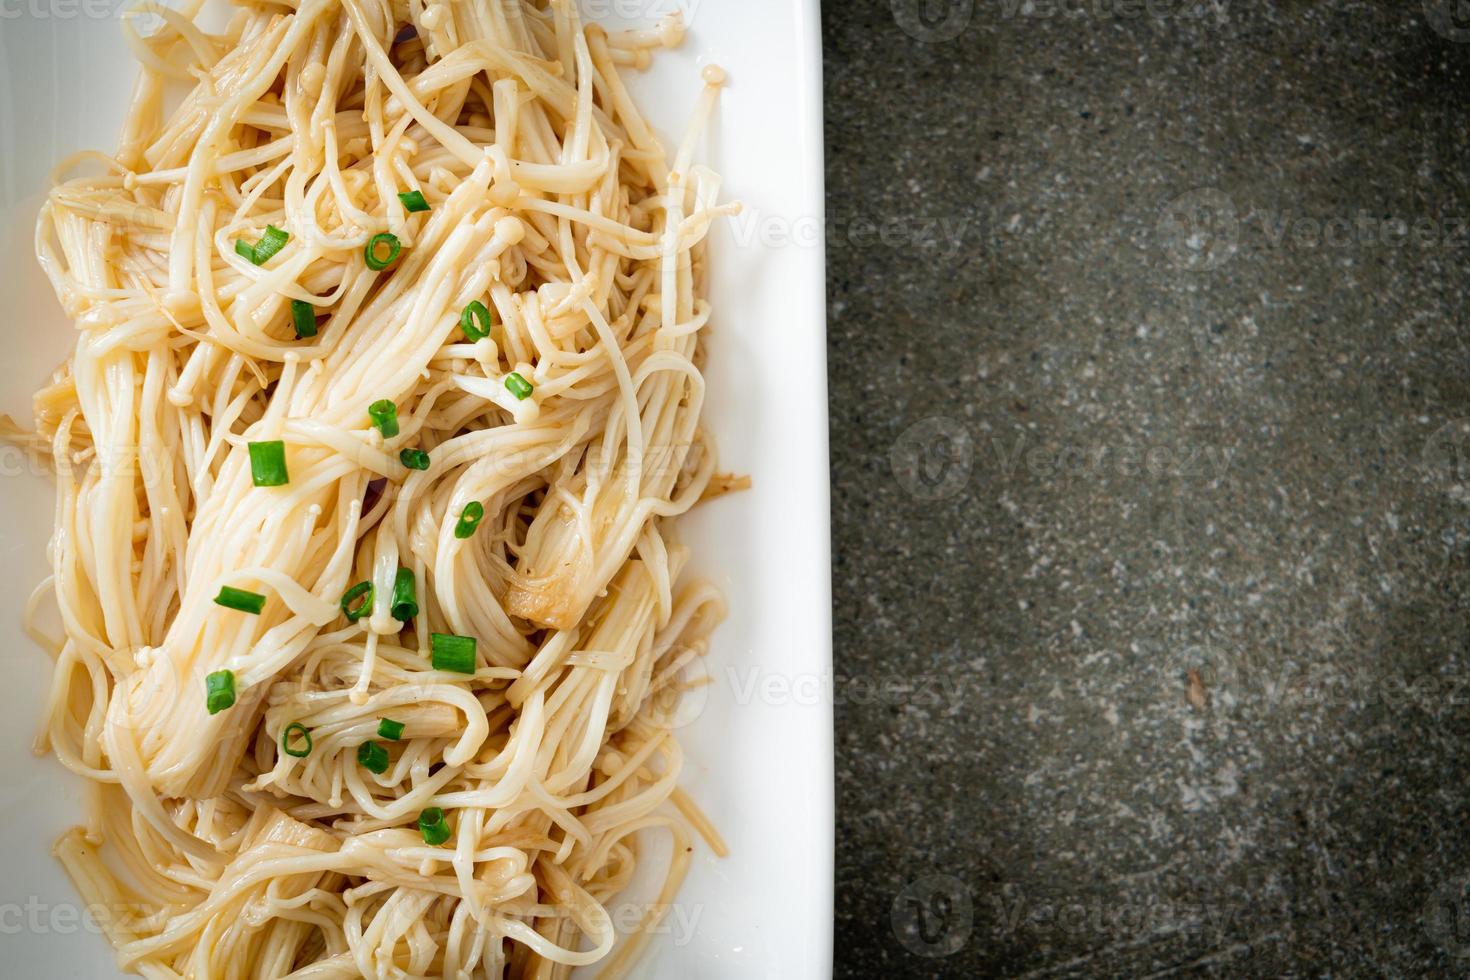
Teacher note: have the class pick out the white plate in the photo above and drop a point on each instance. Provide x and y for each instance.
(760, 749)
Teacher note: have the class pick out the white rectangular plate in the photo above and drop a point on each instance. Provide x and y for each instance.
(759, 746)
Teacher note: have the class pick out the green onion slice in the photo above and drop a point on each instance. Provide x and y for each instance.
(469, 519)
(414, 459)
(518, 386)
(364, 608)
(433, 826)
(390, 729)
(270, 243)
(241, 599)
(303, 317)
(268, 463)
(385, 416)
(219, 691)
(452, 653)
(373, 757)
(405, 602)
(475, 321)
(296, 728)
(370, 253)
(414, 201)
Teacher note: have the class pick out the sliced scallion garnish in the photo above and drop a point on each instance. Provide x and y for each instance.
(373, 757)
(303, 318)
(268, 463)
(475, 320)
(361, 609)
(433, 826)
(271, 242)
(469, 519)
(385, 417)
(219, 691)
(518, 386)
(296, 728)
(242, 599)
(452, 653)
(370, 252)
(405, 602)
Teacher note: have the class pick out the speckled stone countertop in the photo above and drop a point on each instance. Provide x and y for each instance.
(1150, 381)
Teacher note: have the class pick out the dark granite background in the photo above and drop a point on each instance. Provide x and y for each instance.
(1151, 486)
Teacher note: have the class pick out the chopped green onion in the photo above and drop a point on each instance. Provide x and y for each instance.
(414, 201)
(469, 519)
(219, 691)
(303, 317)
(296, 728)
(364, 608)
(433, 826)
(475, 321)
(270, 243)
(414, 459)
(453, 653)
(241, 599)
(518, 386)
(373, 757)
(370, 253)
(405, 603)
(389, 729)
(268, 463)
(385, 416)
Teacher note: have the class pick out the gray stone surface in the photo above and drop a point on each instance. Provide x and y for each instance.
(1151, 512)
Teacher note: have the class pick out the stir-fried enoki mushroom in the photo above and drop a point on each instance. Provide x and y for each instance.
(386, 390)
